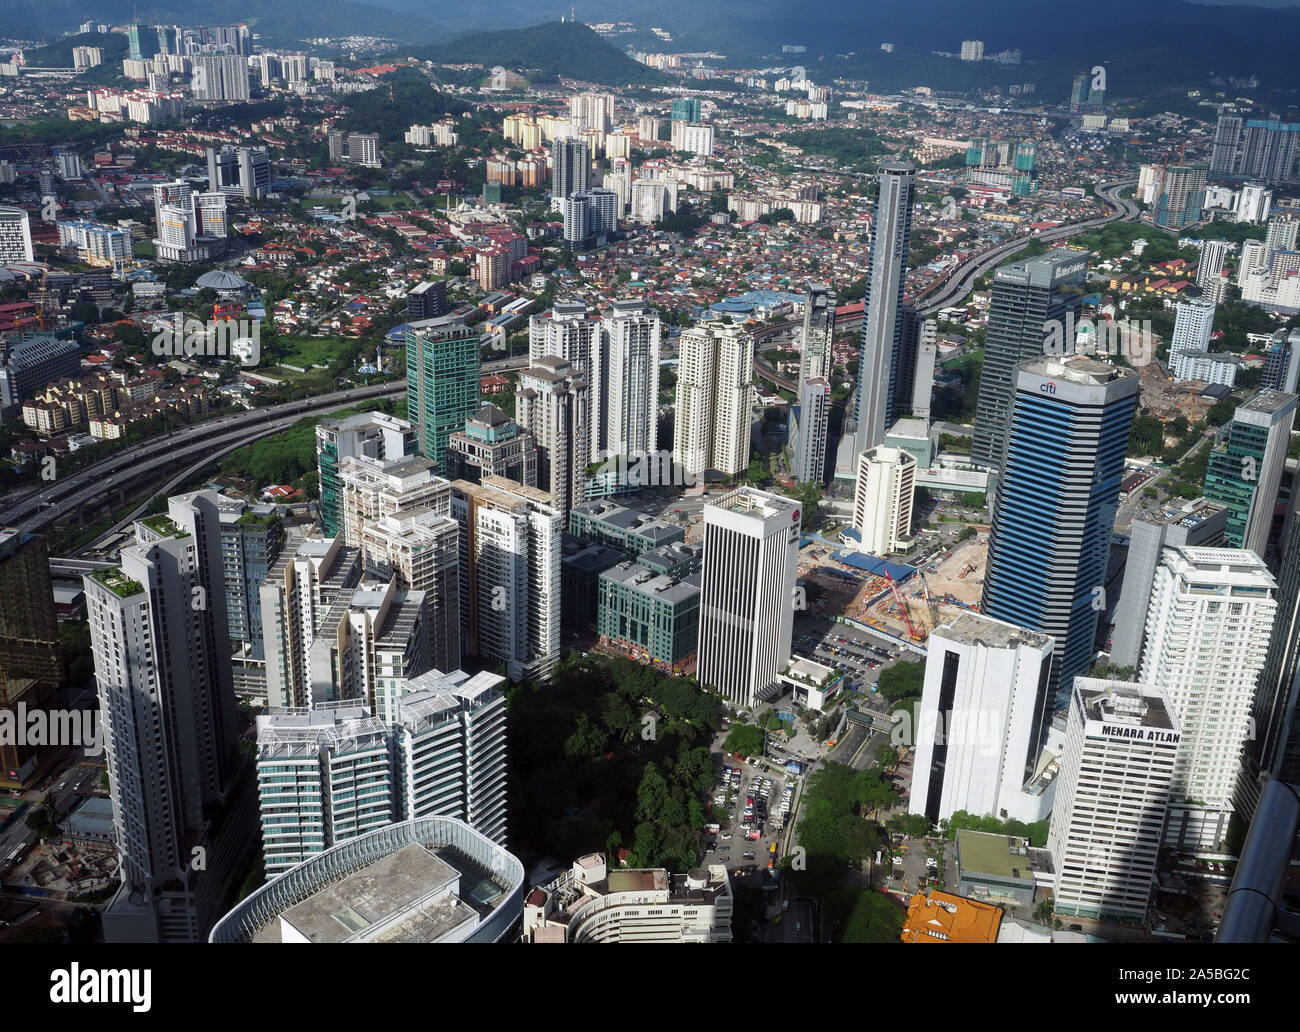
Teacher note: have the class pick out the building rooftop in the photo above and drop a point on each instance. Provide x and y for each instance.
(1192, 514)
(1080, 369)
(976, 629)
(943, 917)
(1125, 702)
(998, 856)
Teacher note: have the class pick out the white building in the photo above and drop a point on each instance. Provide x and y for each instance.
(751, 557)
(509, 575)
(972, 50)
(715, 377)
(630, 335)
(808, 430)
(974, 734)
(571, 332)
(15, 236)
(1208, 627)
(371, 488)
(1193, 324)
(1114, 789)
(882, 500)
(553, 402)
(1254, 203)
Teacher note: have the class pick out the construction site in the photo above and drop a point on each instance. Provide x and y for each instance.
(903, 602)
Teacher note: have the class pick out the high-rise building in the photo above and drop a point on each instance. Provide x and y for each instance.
(1112, 797)
(359, 148)
(553, 403)
(592, 111)
(31, 362)
(252, 537)
(818, 331)
(300, 589)
(1209, 270)
(1193, 325)
(715, 375)
(374, 435)
(808, 428)
(442, 385)
(1244, 471)
(649, 608)
(31, 662)
(571, 332)
(1253, 203)
(427, 300)
(15, 236)
(976, 747)
(1180, 196)
(167, 703)
(685, 109)
(492, 445)
(751, 558)
(1282, 362)
(972, 50)
(509, 575)
(210, 215)
(1260, 149)
(629, 356)
(220, 77)
(371, 488)
(1030, 297)
(914, 376)
(1281, 233)
(1199, 522)
(397, 883)
(882, 500)
(1209, 620)
(1052, 524)
(570, 167)
(881, 326)
(1224, 156)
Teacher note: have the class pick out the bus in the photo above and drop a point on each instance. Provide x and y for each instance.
(771, 857)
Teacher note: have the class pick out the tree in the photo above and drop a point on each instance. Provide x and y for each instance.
(745, 739)
(807, 494)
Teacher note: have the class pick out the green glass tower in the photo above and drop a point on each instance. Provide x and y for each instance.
(442, 386)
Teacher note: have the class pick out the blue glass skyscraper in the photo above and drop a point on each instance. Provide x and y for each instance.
(1055, 509)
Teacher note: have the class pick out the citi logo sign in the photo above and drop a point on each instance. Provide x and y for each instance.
(1047, 388)
(107, 985)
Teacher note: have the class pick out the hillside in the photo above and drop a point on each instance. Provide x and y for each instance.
(549, 51)
(59, 53)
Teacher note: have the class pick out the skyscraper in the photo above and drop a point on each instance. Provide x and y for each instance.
(881, 326)
(1029, 297)
(553, 402)
(715, 378)
(1193, 324)
(629, 354)
(818, 331)
(570, 167)
(1260, 149)
(751, 557)
(220, 77)
(1054, 512)
(167, 702)
(375, 435)
(492, 444)
(15, 235)
(808, 428)
(372, 488)
(1180, 195)
(882, 500)
(1105, 832)
(975, 738)
(442, 385)
(251, 539)
(1245, 467)
(1208, 625)
(509, 575)
(571, 332)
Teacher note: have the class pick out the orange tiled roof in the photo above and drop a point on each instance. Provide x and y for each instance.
(942, 917)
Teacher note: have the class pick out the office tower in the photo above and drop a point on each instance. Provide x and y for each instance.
(210, 215)
(1195, 523)
(370, 488)
(1254, 203)
(374, 435)
(808, 429)
(1193, 324)
(509, 575)
(1208, 625)
(371, 639)
(914, 377)
(223, 168)
(1282, 362)
(629, 356)
(1105, 832)
(881, 329)
(685, 109)
(252, 537)
(1030, 297)
(1245, 467)
(358, 148)
(420, 546)
(570, 167)
(167, 705)
(427, 300)
(818, 331)
(30, 363)
(1281, 233)
(592, 111)
(649, 609)
(492, 444)
(751, 558)
(299, 590)
(31, 663)
(882, 500)
(1209, 270)
(220, 77)
(420, 863)
(927, 355)
(338, 771)
(1055, 508)
(569, 331)
(715, 376)
(553, 402)
(976, 748)
(442, 385)
(1224, 156)
(254, 172)
(1180, 196)
(15, 236)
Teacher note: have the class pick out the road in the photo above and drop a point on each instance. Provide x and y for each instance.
(36, 509)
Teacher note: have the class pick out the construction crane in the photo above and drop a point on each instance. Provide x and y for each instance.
(930, 602)
(902, 608)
